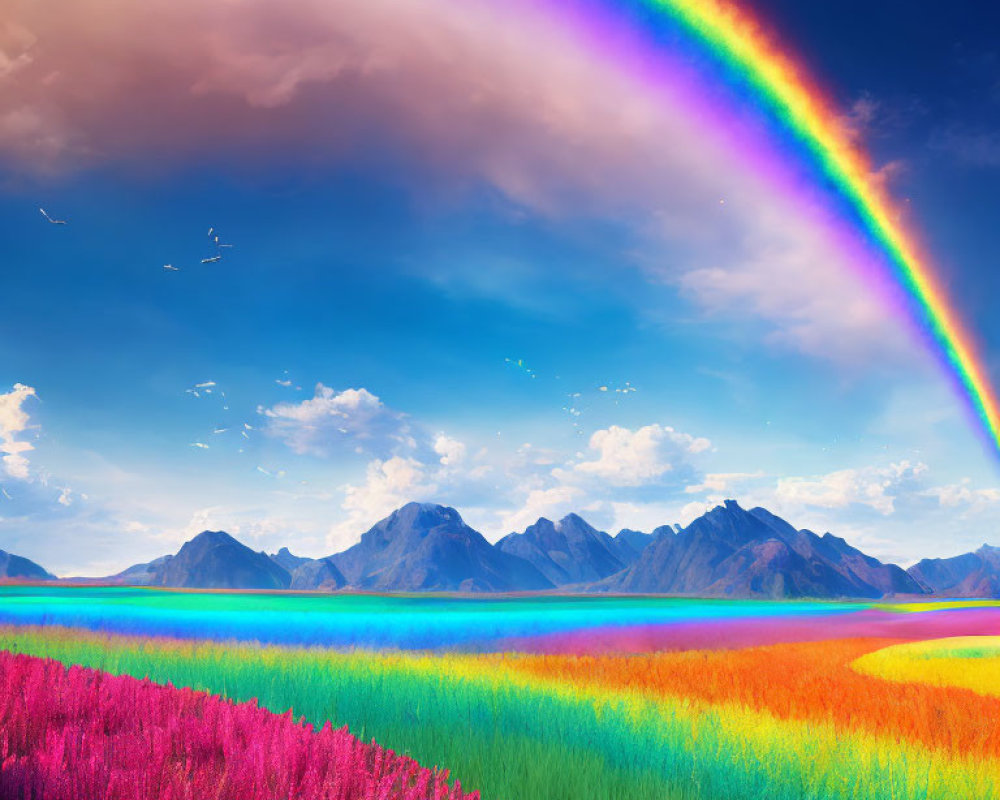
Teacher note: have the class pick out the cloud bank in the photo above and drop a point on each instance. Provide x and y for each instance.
(563, 117)
(14, 421)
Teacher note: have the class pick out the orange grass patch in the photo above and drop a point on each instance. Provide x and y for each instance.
(800, 681)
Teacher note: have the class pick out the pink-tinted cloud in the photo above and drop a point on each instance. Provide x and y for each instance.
(561, 114)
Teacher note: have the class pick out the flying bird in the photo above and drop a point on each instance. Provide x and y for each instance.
(220, 430)
(171, 268)
(205, 385)
(211, 260)
(53, 221)
(5, 493)
(201, 445)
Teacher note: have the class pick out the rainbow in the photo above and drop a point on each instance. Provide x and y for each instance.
(744, 50)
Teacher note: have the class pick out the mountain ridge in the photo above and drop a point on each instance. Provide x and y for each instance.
(727, 552)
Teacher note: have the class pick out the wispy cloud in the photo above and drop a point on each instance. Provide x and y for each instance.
(332, 422)
(875, 487)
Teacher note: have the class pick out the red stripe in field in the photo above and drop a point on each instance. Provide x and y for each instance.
(82, 734)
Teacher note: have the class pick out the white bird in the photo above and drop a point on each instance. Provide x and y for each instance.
(264, 472)
(248, 426)
(211, 260)
(202, 445)
(220, 430)
(53, 221)
(6, 494)
(210, 232)
(205, 385)
(171, 268)
(283, 383)
(244, 434)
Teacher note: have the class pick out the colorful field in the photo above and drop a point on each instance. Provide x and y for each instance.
(78, 733)
(570, 697)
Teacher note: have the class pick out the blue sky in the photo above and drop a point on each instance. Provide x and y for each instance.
(513, 311)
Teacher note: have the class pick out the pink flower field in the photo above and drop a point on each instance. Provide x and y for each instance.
(81, 734)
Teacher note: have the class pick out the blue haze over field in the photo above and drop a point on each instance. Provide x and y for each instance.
(368, 621)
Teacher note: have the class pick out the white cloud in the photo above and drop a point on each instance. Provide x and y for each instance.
(964, 496)
(554, 503)
(637, 458)
(14, 420)
(721, 481)
(331, 421)
(388, 485)
(691, 511)
(452, 451)
(875, 487)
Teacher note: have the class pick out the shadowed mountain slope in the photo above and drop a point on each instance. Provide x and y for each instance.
(215, 560)
(19, 567)
(423, 547)
(569, 551)
(969, 575)
(731, 552)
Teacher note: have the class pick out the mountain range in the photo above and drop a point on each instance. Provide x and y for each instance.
(727, 552)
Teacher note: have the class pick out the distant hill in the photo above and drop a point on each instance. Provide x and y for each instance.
(141, 574)
(970, 575)
(215, 560)
(422, 547)
(317, 573)
(309, 573)
(731, 552)
(21, 568)
(569, 551)
(287, 561)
